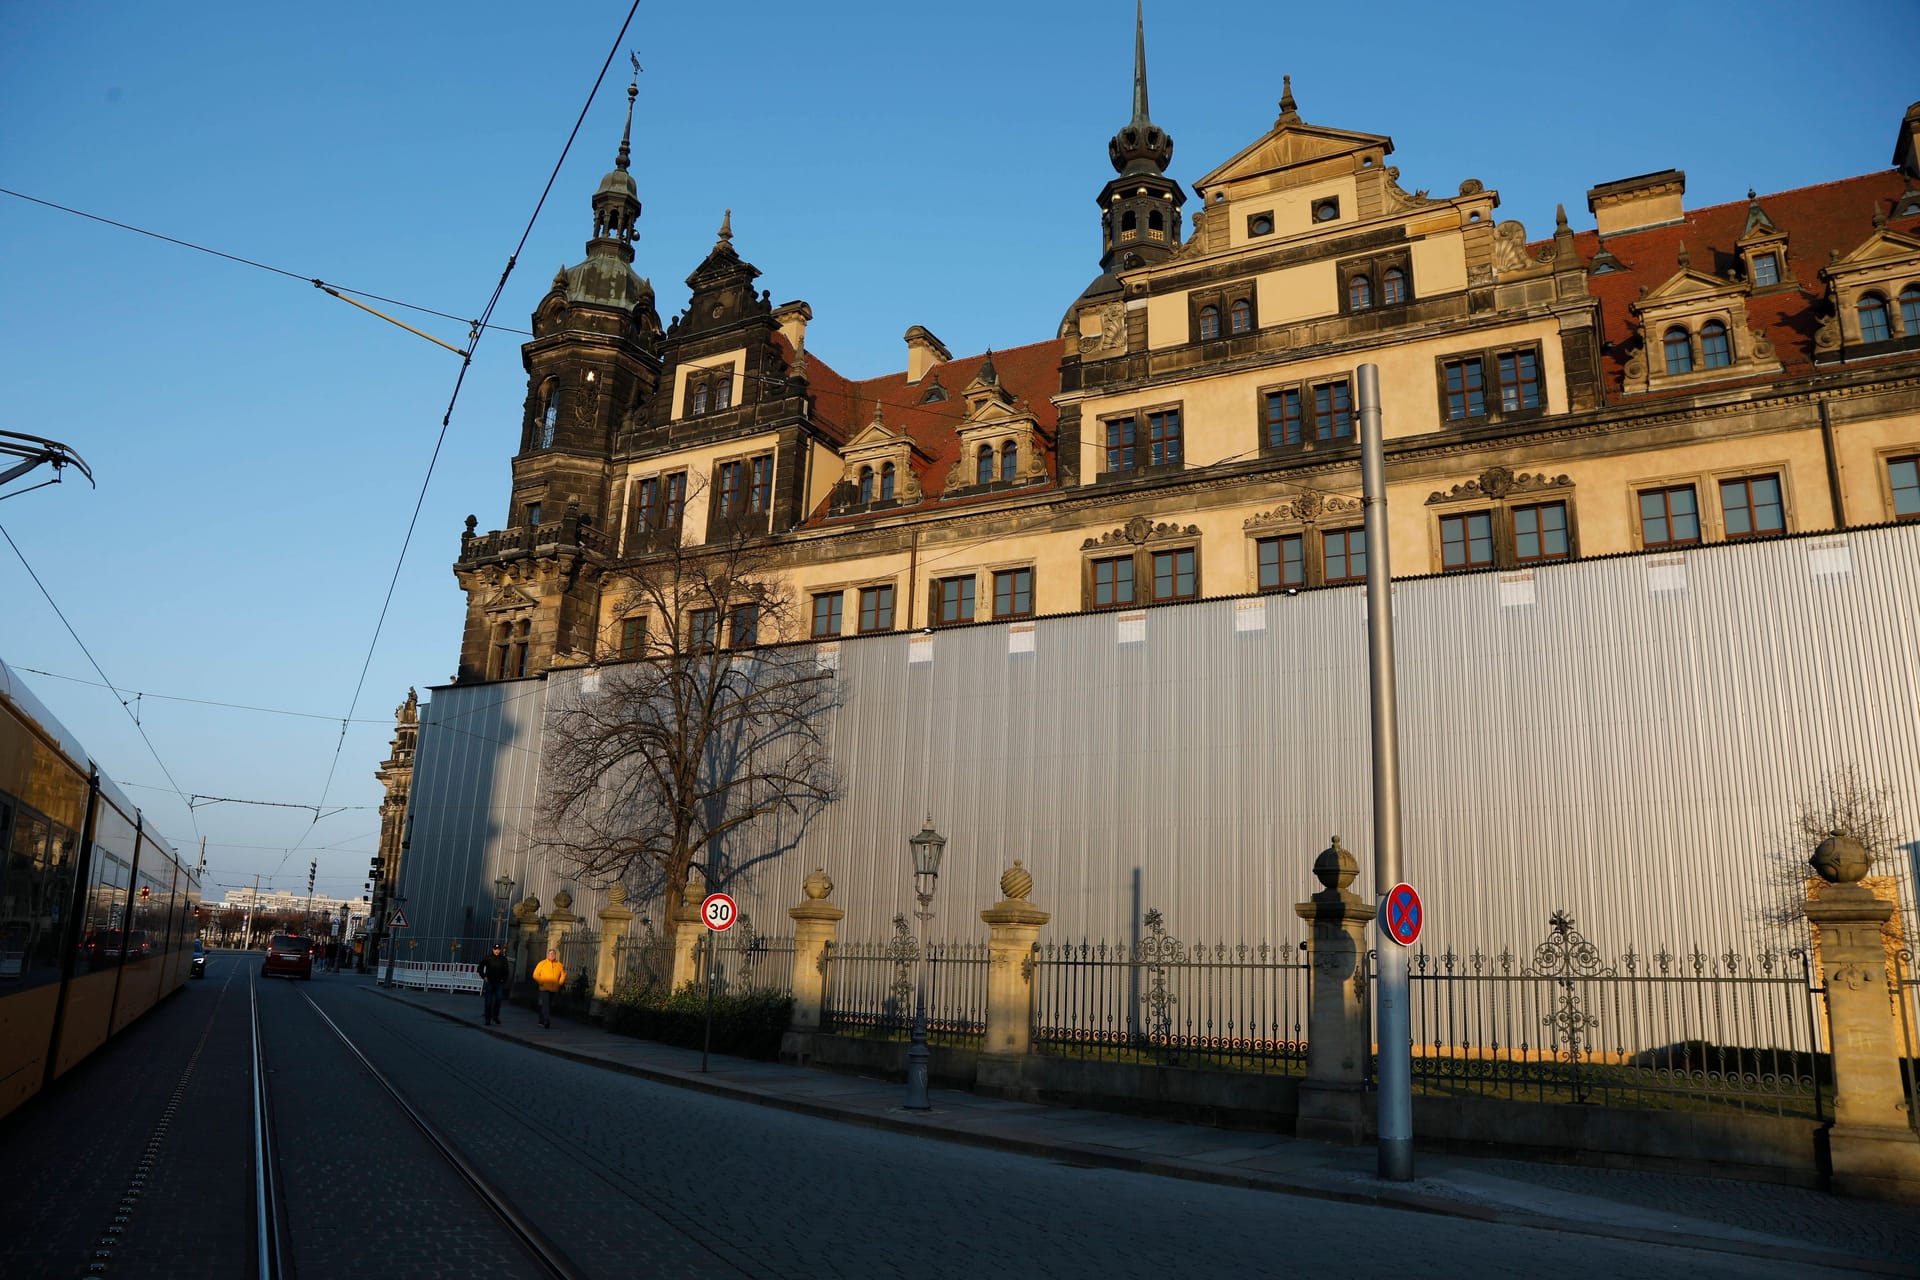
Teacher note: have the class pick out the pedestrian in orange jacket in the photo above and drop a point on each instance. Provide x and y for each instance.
(549, 975)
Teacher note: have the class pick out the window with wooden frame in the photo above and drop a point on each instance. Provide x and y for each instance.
(1344, 555)
(1176, 574)
(1903, 486)
(1009, 460)
(633, 637)
(730, 490)
(983, 465)
(658, 502)
(866, 485)
(827, 606)
(1164, 435)
(743, 626)
(1766, 270)
(876, 609)
(952, 600)
(1502, 520)
(1876, 318)
(760, 491)
(1280, 562)
(1751, 507)
(1111, 582)
(1223, 311)
(709, 391)
(1669, 517)
(1490, 386)
(1540, 533)
(1466, 541)
(703, 629)
(888, 474)
(1013, 593)
(1376, 281)
(511, 640)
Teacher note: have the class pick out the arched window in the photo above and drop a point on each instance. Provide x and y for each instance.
(1875, 323)
(699, 399)
(886, 482)
(866, 484)
(550, 415)
(1359, 293)
(1393, 287)
(723, 392)
(1209, 323)
(1241, 316)
(1128, 221)
(1715, 353)
(1910, 310)
(1679, 346)
(1155, 222)
(983, 468)
(1009, 460)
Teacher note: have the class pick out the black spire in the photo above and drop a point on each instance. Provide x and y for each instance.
(1140, 209)
(1141, 147)
(616, 205)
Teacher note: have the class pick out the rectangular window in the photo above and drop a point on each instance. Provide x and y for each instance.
(1120, 444)
(1466, 541)
(1540, 533)
(953, 600)
(1283, 418)
(633, 637)
(1903, 474)
(675, 500)
(1766, 269)
(876, 609)
(1669, 517)
(1163, 436)
(703, 629)
(1282, 562)
(1519, 381)
(760, 496)
(1751, 507)
(826, 613)
(733, 485)
(1113, 582)
(646, 504)
(1346, 555)
(1333, 411)
(1466, 389)
(1174, 575)
(743, 626)
(1013, 593)
(533, 515)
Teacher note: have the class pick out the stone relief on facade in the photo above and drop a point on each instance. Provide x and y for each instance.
(1510, 246)
(1397, 199)
(1137, 531)
(1308, 508)
(1827, 337)
(1499, 482)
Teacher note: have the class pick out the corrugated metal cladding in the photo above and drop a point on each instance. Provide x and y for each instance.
(1624, 739)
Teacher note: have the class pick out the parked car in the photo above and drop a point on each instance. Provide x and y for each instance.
(199, 969)
(289, 954)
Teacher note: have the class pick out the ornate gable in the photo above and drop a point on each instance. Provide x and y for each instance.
(1871, 277)
(999, 437)
(1705, 315)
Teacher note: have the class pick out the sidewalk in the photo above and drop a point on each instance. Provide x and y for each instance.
(1742, 1218)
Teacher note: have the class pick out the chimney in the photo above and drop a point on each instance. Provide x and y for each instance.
(923, 352)
(1633, 204)
(792, 318)
(1906, 149)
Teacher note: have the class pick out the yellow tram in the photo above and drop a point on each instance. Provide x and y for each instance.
(97, 912)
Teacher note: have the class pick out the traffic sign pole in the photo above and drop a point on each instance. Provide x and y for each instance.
(1394, 1019)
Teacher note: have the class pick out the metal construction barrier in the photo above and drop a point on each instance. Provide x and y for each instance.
(429, 975)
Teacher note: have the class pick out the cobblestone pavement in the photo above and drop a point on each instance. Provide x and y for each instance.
(635, 1177)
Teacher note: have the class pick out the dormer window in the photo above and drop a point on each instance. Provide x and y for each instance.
(886, 482)
(1679, 349)
(1715, 351)
(1766, 270)
(1009, 460)
(1875, 321)
(866, 484)
(1209, 323)
(983, 466)
(1359, 293)
(1910, 310)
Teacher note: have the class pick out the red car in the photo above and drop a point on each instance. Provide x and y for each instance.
(290, 955)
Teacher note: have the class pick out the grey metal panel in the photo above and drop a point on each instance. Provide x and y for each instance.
(1616, 748)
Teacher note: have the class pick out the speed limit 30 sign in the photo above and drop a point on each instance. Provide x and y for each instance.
(718, 910)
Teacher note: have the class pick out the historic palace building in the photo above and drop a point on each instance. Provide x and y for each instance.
(1665, 378)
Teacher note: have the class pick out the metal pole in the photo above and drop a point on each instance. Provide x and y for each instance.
(706, 1034)
(392, 948)
(917, 1054)
(1394, 1021)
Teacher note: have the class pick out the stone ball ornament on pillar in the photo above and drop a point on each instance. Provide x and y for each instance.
(1336, 868)
(1841, 859)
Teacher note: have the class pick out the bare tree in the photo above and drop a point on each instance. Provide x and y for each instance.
(1840, 802)
(708, 746)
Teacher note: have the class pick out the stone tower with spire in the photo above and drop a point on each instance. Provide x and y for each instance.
(532, 593)
(1140, 208)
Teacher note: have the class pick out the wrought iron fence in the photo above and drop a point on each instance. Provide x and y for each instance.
(580, 953)
(642, 965)
(1663, 1030)
(1170, 1003)
(870, 987)
(745, 960)
(1906, 996)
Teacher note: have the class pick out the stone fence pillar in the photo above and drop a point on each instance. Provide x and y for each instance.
(1333, 1098)
(1014, 925)
(1874, 1149)
(526, 941)
(687, 927)
(560, 921)
(815, 924)
(614, 919)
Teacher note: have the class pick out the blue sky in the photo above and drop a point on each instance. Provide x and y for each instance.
(259, 446)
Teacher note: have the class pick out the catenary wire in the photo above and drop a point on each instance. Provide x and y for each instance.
(201, 702)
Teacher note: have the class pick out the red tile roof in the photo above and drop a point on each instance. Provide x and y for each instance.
(1817, 220)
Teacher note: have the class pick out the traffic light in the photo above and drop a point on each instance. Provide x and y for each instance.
(312, 868)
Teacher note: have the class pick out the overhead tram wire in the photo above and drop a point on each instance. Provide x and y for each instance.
(138, 727)
(201, 702)
(479, 327)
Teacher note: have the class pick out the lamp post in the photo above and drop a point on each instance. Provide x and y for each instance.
(502, 891)
(927, 848)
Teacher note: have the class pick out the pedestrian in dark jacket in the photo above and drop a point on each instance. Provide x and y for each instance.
(494, 973)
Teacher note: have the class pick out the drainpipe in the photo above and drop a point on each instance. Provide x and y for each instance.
(1833, 468)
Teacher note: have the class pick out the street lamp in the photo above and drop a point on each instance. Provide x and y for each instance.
(502, 891)
(927, 848)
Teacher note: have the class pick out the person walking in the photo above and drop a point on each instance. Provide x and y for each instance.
(549, 975)
(494, 973)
